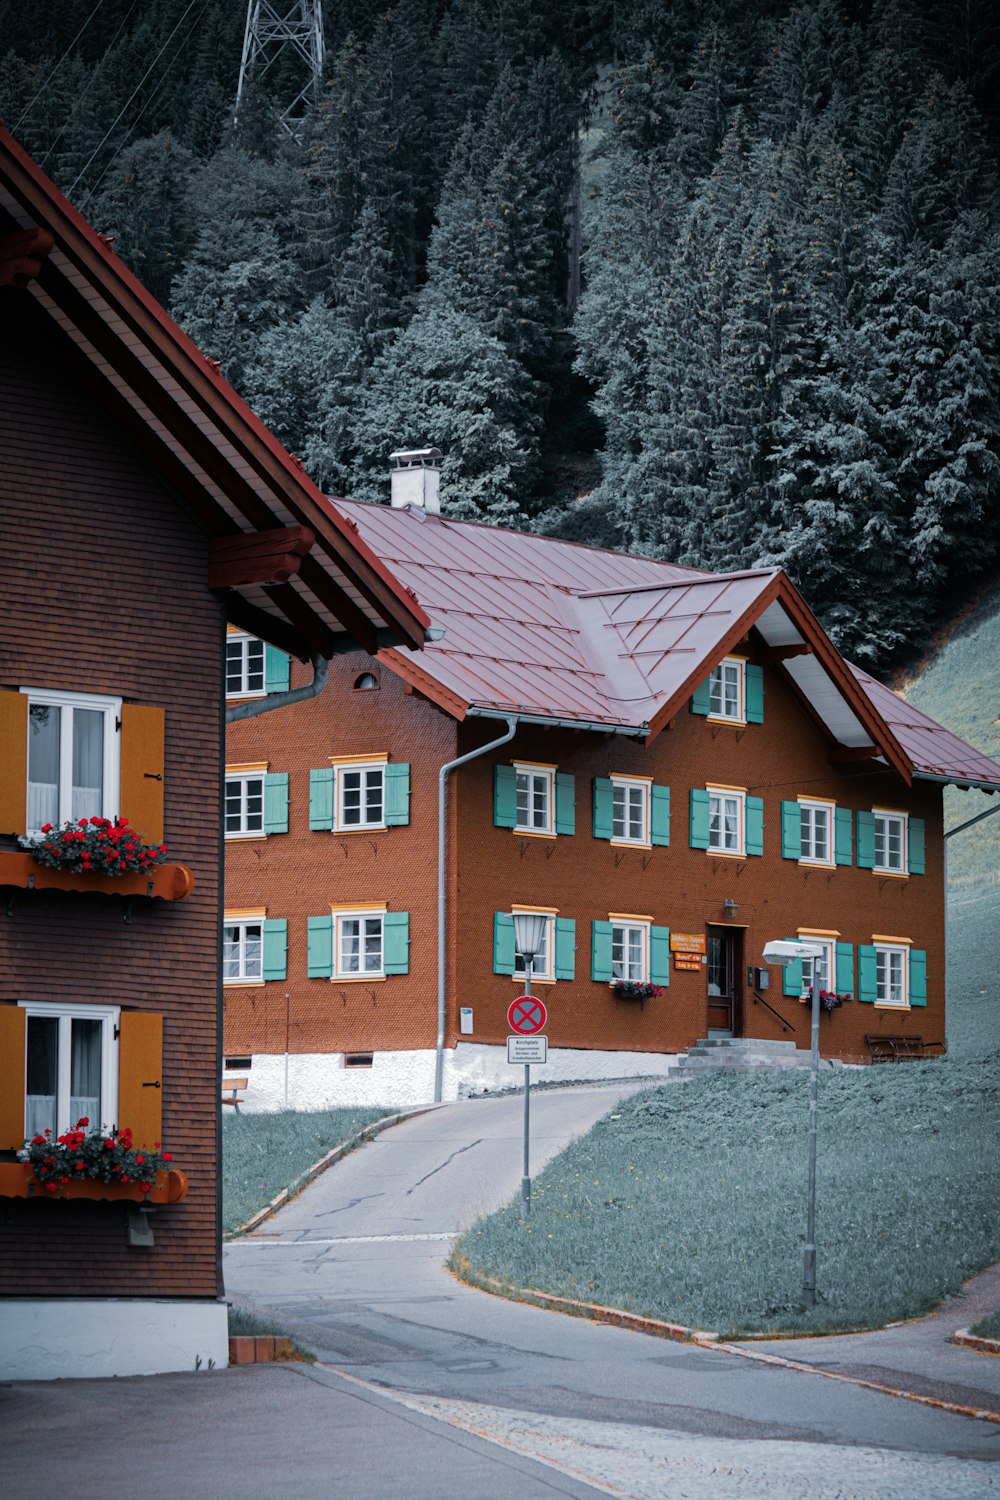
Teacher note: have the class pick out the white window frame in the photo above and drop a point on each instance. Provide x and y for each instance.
(243, 977)
(240, 779)
(814, 805)
(626, 926)
(537, 776)
(109, 1016)
(542, 972)
(724, 794)
(730, 669)
(887, 815)
(631, 784)
(365, 768)
(829, 947)
(98, 703)
(243, 638)
(360, 916)
(884, 954)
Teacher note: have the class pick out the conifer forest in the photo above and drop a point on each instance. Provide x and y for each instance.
(714, 282)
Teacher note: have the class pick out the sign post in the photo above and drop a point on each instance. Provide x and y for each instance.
(526, 1016)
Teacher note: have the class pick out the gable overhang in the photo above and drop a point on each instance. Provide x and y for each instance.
(210, 448)
(818, 675)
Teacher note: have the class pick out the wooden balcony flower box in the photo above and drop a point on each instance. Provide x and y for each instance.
(170, 1187)
(166, 882)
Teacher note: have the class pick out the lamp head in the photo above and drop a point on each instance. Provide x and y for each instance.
(529, 933)
(783, 953)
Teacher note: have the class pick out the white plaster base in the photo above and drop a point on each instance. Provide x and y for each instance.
(319, 1080)
(69, 1338)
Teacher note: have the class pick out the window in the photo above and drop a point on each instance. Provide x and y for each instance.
(243, 951)
(630, 950)
(533, 794)
(359, 1059)
(726, 820)
(72, 757)
(818, 970)
(358, 944)
(814, 826)
(366, 682)
(726, 691)
(890, 841)
(891, 976)
(541, 965)
(71, 1073)
(630, 811)
(244, 666)
(244, 805)
(360, 796)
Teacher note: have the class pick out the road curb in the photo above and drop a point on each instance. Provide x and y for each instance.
(977, 1341)
(330, 1159)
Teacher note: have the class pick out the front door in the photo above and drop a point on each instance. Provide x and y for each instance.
(725, 988)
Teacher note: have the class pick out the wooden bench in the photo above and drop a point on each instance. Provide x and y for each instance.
(233, 1090)
(899, 1048)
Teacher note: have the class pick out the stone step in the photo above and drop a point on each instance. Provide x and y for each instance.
(745, 1044)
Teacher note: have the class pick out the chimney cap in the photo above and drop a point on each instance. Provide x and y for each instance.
(416, 457)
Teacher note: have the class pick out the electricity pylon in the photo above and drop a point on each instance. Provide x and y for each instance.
(296, 25)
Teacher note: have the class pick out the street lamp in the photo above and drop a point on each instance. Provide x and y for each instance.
(529, 934)
(785, 953)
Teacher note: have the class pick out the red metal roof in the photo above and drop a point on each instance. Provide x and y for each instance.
(550, 629)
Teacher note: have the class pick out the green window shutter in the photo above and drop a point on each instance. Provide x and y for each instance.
(699, 818)
(659, 815)
(320, 952)
(700, 699)
(603, 807)
(844, 979)
(915, 845)
(275, 949)
(791, 976)
(843, 836)
(755, 825)
(565, 802)
(755, 694)
(396, 942)
(565, 948)
(321, 798)
(867, 974)
(276, 803)
(866, 841)
(503, 943)
(277, 670)
(791, 830)
(504, 796)
(918, 976)
(397, 795)
(659, 955)
(600, 953)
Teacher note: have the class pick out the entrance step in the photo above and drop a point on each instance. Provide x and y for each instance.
(744, 1054)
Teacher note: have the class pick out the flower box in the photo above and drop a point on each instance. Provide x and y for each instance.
(171, 1186)
(167, 882)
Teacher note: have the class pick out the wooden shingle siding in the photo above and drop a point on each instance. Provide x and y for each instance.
(109, 596)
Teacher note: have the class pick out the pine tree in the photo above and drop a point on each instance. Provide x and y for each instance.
(143, 203)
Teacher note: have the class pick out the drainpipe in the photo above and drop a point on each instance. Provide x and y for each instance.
(451, 765)
(255, 706)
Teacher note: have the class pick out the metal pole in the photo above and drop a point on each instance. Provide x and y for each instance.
(809, 1269)
(526, 1176)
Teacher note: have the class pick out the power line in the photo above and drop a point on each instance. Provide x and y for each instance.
(24, 113)
(86, 88)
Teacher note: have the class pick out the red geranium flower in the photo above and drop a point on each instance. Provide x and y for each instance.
(46, 828)
(167, 1156)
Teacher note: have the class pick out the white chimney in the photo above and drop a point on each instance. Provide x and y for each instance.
(416, 475)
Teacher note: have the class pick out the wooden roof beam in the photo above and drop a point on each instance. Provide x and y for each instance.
(22, 254)
(258, 556)
(782, 653)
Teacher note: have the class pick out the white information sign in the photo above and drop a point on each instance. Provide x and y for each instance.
(527, 1049)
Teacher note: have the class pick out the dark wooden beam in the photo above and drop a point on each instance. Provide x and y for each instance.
(844, 754)
(339, 603)
(258, 556)
(22, 254)
(782, 653)
(304, 618)
(266, 627)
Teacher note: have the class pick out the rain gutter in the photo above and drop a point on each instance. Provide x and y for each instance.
(512, 722)
(255, 706)
(639, 730)
(963, 783)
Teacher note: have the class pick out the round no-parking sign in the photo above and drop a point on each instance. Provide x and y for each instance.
(526, 1015)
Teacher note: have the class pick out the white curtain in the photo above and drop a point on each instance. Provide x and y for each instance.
(43, 764)
(85, 1072)
(88, 763)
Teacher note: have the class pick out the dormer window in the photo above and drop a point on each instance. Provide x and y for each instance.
(727, 691)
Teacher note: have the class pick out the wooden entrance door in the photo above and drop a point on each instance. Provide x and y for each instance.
(725, 980)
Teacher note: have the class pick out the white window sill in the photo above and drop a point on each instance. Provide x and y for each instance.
(535, 833)
(364, 828)
(631, 843)
(897, 874)
(724, 719)
(231, 984)
(358, 978)
(816, 864)
(535, 978)
(244, 837)
(726, 853)
(892, 1005)
(232, 697)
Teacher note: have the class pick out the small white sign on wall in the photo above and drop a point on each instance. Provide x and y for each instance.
(465, 1020)
(527, 1049)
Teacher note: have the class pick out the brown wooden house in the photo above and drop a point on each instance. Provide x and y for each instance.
(689, 770)
(144, 509)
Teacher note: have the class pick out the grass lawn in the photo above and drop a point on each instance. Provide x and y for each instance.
(688, 1202)
(988, 1327)
(261, 1154)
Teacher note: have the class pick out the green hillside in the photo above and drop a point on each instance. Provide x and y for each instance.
(961, 689)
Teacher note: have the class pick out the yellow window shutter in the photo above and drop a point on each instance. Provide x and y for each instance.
(142, 769)
(12, 1035)
(14, 764)
(140, 1070)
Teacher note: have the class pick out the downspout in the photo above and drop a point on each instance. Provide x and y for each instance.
(451, 765)
(255, 706)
